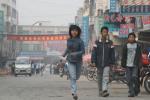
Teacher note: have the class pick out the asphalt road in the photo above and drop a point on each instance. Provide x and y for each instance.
(50, 87)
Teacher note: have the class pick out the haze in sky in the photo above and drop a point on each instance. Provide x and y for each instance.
(58, 12)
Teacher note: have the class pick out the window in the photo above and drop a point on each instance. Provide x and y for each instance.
(23, 32)
(23, 61)
(14, 1)
(37, 32)
(14, 13)
(63, 32)
(50, 32)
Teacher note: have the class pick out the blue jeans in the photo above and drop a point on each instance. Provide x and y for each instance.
(74, 72)
(103, 79)
(133, 80)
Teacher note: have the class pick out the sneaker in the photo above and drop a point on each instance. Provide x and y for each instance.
(105, 93)
(100, 93)
(137, 93)
(75, 97)
(131, 95)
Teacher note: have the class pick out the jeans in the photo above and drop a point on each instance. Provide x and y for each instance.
(133, 81)
(103, 79)
(100, 77)
(74, 72)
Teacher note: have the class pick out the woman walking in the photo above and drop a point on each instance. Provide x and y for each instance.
(74, 52)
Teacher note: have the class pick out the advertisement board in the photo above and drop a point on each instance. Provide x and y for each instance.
(135, 7)
(85, 30)
(135, 2)
(146, 22)
(113, 5)
(1, 21)
(118, 23)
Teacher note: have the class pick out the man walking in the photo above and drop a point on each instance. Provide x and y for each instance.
(131, 59)
(103, 56)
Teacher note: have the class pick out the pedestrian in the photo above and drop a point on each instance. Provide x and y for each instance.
(12, 68)
(103, 57)
(74, 52)
(52, 69)
(35, 65)
(131, 60)
(42, 68)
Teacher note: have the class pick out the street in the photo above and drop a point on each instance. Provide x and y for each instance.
(52, 87)
(64, 35)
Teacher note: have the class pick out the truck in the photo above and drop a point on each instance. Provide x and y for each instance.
(23, 66)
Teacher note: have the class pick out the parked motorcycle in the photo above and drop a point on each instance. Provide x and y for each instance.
(91, 73)
(145, 77)
(118, 74)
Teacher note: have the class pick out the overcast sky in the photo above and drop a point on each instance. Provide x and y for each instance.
(59, 12)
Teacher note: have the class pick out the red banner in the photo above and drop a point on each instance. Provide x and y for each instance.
(37, 37)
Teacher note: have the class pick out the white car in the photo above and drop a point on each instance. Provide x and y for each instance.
(23, 66)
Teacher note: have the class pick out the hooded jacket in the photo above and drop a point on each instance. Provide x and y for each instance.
(103, 53)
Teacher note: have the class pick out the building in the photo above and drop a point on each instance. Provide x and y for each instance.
(78, 18)
(90, 15)
(38, 29)
(140, 10)
(43, 30)
(8, 25)
(8, 7)
(101, 5)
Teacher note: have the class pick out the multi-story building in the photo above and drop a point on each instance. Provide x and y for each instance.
(38, 29)
(10, 15)
(101, 5)
(85, 19)
(86, 8)
(78, 18)
(139, 10)
(43, 30)
(8, 25)
(92, 15)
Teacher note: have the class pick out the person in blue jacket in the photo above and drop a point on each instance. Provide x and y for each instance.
(74, 52)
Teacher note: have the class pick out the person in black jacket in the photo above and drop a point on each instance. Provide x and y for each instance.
(103, 56)
(131, 60)
(75, 50)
